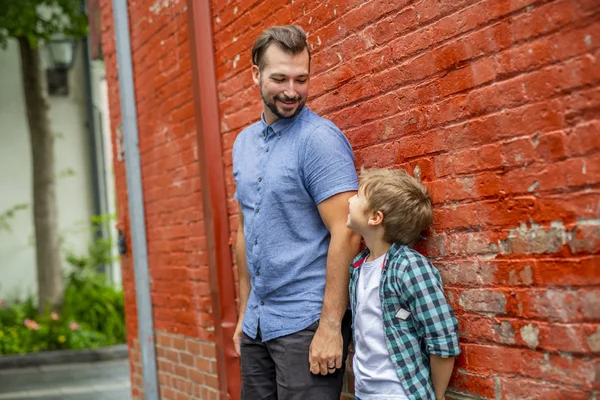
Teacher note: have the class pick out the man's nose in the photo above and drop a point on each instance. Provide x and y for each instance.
(290, 90)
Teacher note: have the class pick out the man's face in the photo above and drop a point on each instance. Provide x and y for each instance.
(283, 83)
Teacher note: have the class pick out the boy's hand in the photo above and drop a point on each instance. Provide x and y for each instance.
(326, 350)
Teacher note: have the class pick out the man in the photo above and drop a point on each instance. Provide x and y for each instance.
(294, 173)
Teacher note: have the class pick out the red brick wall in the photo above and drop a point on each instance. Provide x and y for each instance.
(177, 257)
(496, 104)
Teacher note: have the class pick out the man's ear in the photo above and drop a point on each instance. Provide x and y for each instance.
(376, 219)
(256, 74)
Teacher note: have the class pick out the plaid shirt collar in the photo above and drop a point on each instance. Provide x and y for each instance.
(362, 257)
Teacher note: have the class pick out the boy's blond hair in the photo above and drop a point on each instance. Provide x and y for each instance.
(403, 200)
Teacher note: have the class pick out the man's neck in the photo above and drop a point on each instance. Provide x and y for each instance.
(269, 117)
(377, 247)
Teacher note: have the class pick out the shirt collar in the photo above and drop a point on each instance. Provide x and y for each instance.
(362, 256)
(282, 124)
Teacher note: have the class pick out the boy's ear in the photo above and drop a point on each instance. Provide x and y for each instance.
(376, 219)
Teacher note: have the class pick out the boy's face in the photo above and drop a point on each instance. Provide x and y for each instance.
(358, 215)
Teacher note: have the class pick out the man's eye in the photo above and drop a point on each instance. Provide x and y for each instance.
(278, 80)
(301, 81)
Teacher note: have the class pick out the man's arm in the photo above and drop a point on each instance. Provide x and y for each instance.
(243, 278)
(441, 371)
(326, 347)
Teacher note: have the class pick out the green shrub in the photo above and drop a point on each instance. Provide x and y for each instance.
(20, 333)
(92, 313)
(92, 301)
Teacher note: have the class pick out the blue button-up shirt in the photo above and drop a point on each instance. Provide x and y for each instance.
(282, 173)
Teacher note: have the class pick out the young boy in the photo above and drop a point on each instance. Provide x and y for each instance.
(405, 334)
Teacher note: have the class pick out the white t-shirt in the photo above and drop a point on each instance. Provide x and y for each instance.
(374, 372)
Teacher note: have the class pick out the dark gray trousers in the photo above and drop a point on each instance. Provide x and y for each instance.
(278, 369)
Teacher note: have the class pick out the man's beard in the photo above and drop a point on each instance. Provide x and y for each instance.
(273, 107)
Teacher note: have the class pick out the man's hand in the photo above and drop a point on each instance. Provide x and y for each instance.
(326, 350)
(237, 338)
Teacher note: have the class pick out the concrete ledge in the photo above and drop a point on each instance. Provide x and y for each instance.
(116, 352)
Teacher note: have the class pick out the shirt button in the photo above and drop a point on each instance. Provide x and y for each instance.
(255, 241)
(256, 210)
(262, 303)
(267, 150)
(260, 179)
(257, 273)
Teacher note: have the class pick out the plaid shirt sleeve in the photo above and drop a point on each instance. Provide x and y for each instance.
(433, 316)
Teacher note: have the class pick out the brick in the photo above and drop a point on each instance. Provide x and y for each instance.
(163, 341)
(472, 243)
(527, 363)
(208, 351)
(484, 214)
(588, 298)
(181, 396)
(463, 382)
(480, 186)
(560, 305)
(196, 376)
(172, 356)
(211, 381)
(203, 364)
(519, 388)
(181, 371)
(484, 301)
(193, 347)
(167, 393)
(568, 272)
(536, 335)
(477, 273)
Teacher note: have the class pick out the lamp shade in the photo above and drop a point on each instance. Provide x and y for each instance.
(61, 53)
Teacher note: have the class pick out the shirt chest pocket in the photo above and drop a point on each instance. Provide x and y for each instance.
(246, 186)
(283, 179)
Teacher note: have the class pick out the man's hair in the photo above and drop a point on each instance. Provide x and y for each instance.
(289, 38)
(403, 200)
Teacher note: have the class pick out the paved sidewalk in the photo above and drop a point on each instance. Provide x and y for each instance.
(108, 380)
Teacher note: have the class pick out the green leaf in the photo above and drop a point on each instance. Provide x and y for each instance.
(41, 19)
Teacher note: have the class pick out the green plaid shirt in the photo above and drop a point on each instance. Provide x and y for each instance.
(410, 282)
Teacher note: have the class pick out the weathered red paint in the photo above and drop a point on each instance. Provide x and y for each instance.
(495, 104)
(214, 195)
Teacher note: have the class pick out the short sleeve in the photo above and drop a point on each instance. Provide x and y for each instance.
(328, 167)
(434, 317)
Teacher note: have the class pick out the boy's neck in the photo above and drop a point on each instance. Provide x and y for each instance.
(377, 247)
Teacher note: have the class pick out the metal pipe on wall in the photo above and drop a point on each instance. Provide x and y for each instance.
(135, 200)
(214, 195)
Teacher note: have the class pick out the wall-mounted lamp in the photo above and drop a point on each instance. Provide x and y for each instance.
(60, 58)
